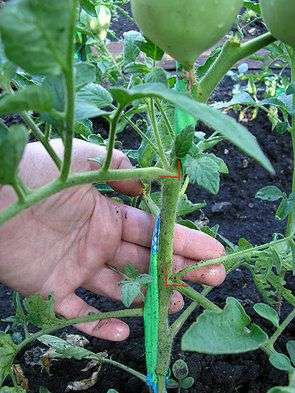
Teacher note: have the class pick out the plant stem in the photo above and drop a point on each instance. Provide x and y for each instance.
(178, 324)
(228, 260)
(152, 116)
(78, 179)
(165, 262)
(128, 313)
(125, 368)
(112, 140)
(41, 137)
(291, 218)
(198, 297)
(19, 189)
(70, 96)
(166, 119)
(281, 328)
(232, 52)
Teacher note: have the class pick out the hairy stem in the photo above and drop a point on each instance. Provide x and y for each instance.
(165, 258)
(70, 97)
(178, 324)
(19, 189)
(281, 328)
(232, 52)
(38, 134)
(291, 218)
(198, 297)
(79, 179)
(128, 313)
(155, 128)
(112, 140)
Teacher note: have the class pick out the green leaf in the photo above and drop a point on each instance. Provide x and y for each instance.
(280, 361)
(43, 389)
(291, 350)
(7, 354)
(226, 332)
(187, 383)
(33, 98)
(286, 206)
(40, 312)
(65, 350)
(291, 89)
(180, 369)
(89, 7)
(150, 49)
(6, 389)
(130, 271)
(112, 391)
(184, 141)
(156, 75)
(7, 72)
(130, 290)
(35, 34)
(225, 125)
(203, 171)
(269, 193)
(131, 49)
(185, 206)
(90, 99)
(267, 312)
(85, 73)
(282, 389)
(12, 144)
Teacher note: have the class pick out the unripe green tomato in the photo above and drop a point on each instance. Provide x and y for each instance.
(279, 16)
(185, 28)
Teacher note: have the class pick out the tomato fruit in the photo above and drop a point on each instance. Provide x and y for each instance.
(185, 28)
(279, 16)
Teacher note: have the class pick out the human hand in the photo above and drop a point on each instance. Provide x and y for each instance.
(73, 239)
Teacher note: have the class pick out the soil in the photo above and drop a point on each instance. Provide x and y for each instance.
(239, 214)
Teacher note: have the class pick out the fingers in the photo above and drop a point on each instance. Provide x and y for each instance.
(38, 169)
(195, 245)
(129, 253)
(112, 329)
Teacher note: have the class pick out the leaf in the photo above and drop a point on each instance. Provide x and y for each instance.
(6, 389)
(131, 49)
(180, 369)
(150, 49)
(130, 290)
(156, 75)
(43, 389)
(267, 312)
(112, 391)
(90, 99)
(85, 73)
(225, 125)
(65, 350)
(89, 7)
(291, 350)
(203, 171)
(12, 144)
(35, 34)
(40, 312)
(33, 98)
(291, 89)
(280, 361)
(229, 331)
(286, 207)
(7, 354)
(269, 193)
(282, 389)
(185, 206)
(130, 271)
(184, 141)
(187, 383)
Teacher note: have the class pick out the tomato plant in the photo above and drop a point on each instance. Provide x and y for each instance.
(59, 78)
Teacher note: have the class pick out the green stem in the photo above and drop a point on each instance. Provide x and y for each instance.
(232, 52)
(198, 297)
(125, 368)
(41, 137)
(166, 119)
(228, 260)
(291, 218)
(128, 313)
(19, 189)
(178, 324)
(165, 262)
(70, 96)
(281, 328)
(155, 128)
(79, 179)
(112, 140)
